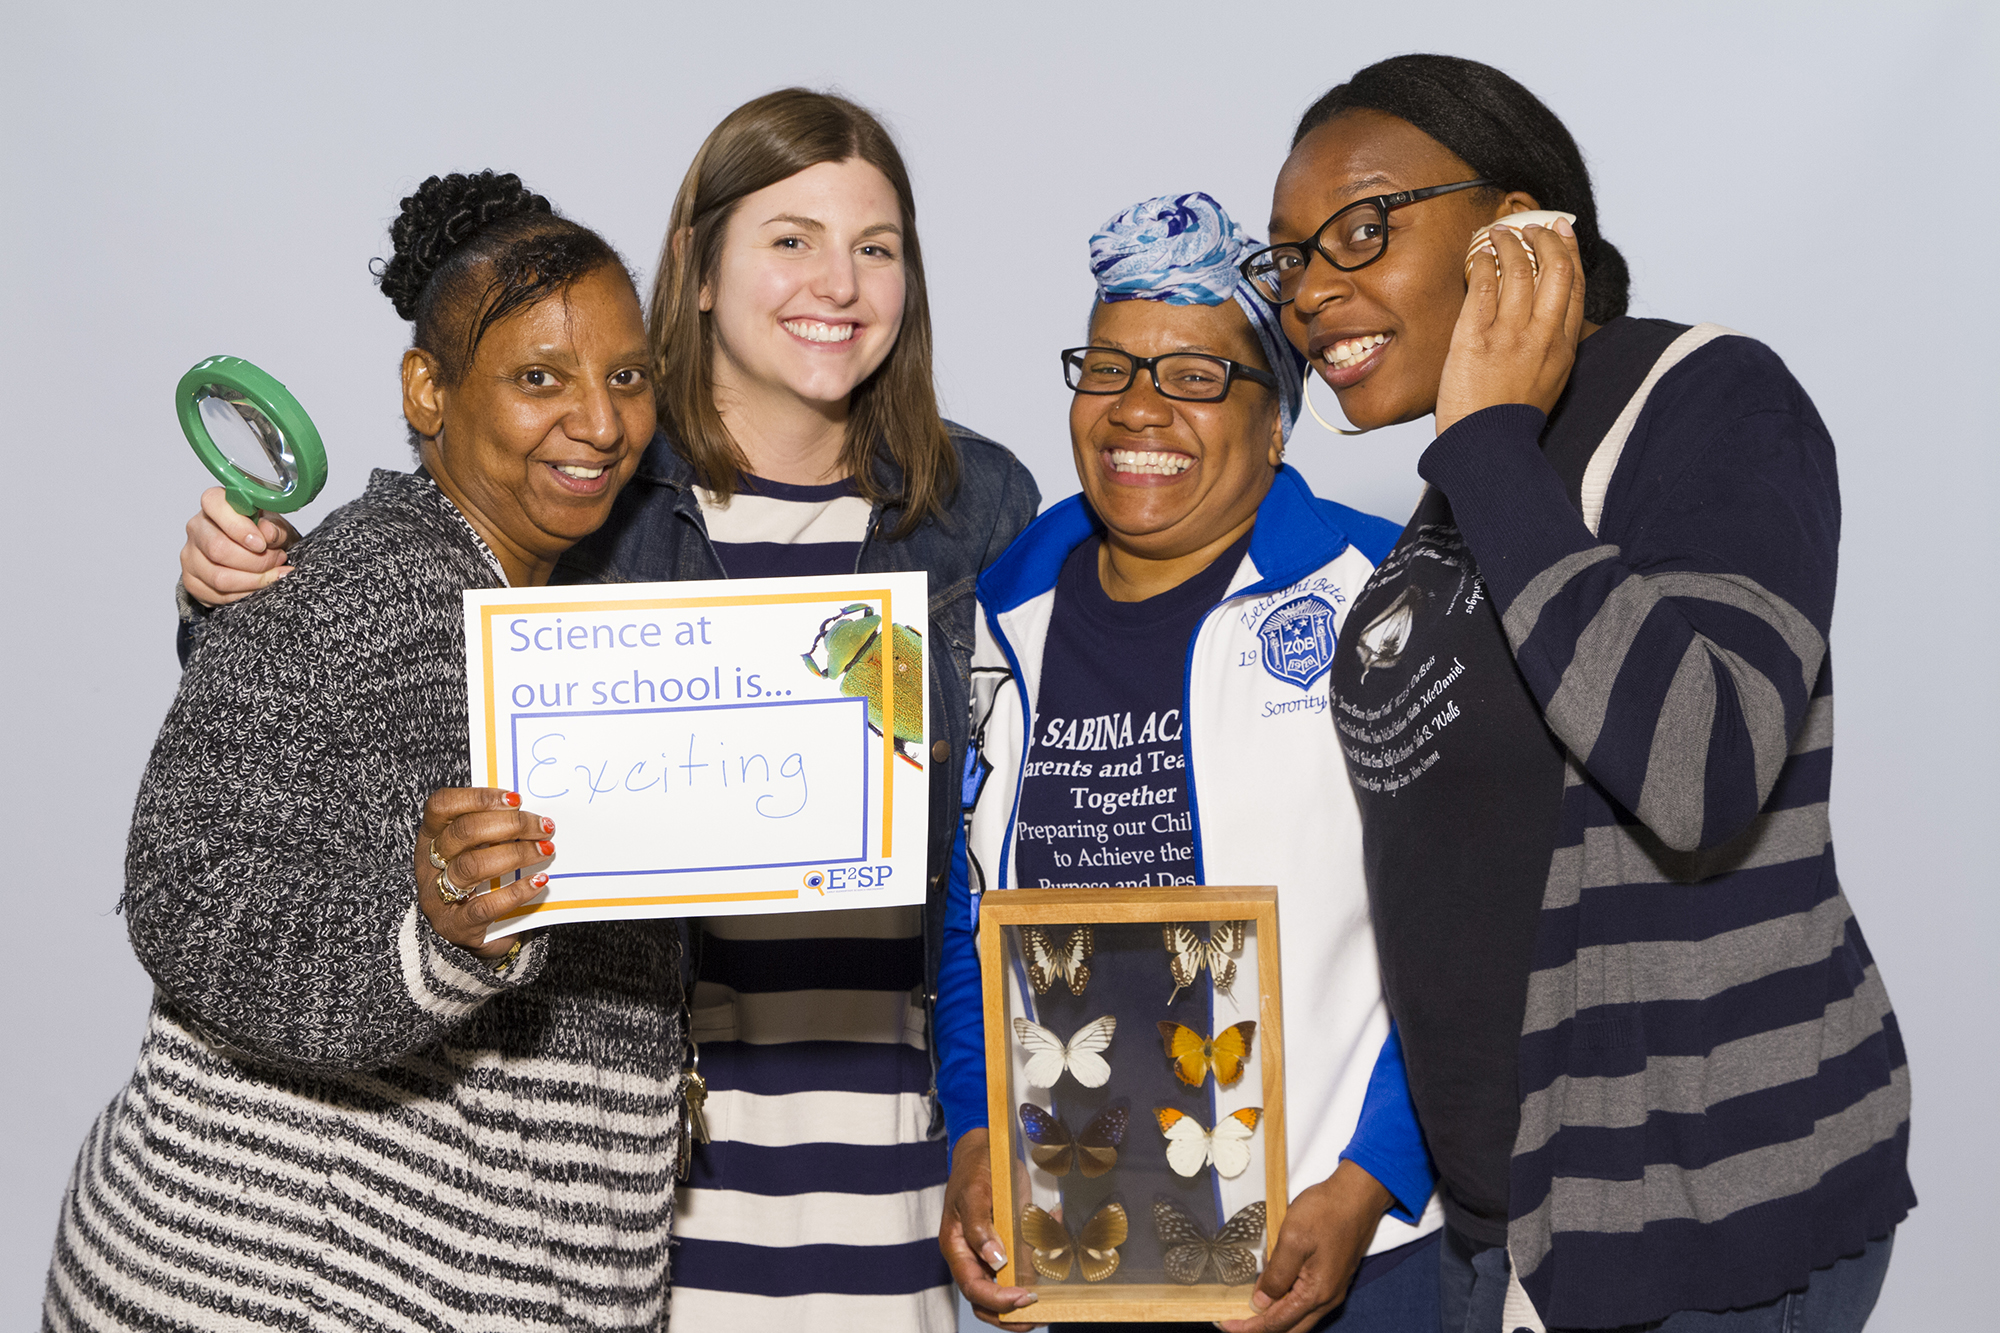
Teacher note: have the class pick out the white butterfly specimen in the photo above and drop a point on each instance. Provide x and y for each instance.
(1188, 953)
(1055, 954)
(1190, 1146)
(1049, 1055)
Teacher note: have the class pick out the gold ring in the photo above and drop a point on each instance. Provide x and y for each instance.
(437, 862)
(449, 891)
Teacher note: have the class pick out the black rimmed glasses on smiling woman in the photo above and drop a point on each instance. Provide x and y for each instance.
(1353, 238)
(1191, 377)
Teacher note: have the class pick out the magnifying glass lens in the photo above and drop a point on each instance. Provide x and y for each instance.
(251, 434)
(247, 437)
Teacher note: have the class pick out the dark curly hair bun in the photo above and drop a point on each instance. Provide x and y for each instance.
(472, 250)
(443, 214)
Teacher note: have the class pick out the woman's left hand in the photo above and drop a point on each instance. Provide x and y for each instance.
(481, 834)
(1517, 332)
(1326, 1233)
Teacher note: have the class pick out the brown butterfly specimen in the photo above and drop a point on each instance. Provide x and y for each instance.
(1194, 1055)
(1054, 1251)
(1188, 953)
(1094, 1151)
(1056, 955)
(1191, 1251)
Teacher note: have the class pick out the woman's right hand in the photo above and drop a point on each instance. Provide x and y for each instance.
(480, 833)
(1515, 340)
(228, 556)
(972, 1249)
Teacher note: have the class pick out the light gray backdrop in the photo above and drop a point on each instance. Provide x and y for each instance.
(216, 179)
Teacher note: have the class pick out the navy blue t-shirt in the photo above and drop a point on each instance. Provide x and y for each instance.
(1104, 798)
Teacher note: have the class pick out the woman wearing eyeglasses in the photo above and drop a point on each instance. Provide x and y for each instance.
(1587, 712)
(1154, 600)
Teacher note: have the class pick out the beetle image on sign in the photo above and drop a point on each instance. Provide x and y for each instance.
(853, 642)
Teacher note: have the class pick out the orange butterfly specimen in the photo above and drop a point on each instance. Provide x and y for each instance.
(1054, 1251)
(1194, 1055)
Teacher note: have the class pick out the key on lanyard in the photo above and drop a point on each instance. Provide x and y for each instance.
(694, 1125)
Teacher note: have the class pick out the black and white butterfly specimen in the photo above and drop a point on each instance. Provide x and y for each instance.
(1054, 954)
(1054, 1251)
(1049, 1055)
(1191, 1251)
(1188, 953)
(1093, 1152)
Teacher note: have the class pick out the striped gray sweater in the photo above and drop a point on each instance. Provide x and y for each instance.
(1715, 1097)
(338, 1120)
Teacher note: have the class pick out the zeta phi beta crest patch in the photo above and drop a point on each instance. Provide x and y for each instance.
(1299, 639)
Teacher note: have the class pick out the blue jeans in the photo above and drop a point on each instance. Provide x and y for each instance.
(1472, 1288)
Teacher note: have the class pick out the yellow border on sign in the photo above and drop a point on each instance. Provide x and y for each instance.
(661, 900)
(487, 613)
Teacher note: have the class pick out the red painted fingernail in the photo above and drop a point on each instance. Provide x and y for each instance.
(512, 798)
(540, 881)
(548, 825)
(547, 848)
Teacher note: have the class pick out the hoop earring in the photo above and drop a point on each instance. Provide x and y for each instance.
(1306, 391)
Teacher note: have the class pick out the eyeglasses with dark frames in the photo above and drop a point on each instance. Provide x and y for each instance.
(1191, 377)
(1353, 238)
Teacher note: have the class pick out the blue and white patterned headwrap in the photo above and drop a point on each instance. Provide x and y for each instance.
(1183, 249)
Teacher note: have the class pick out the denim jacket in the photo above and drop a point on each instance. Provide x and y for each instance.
(656, 532)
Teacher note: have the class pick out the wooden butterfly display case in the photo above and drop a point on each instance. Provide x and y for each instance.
(1136, 1097)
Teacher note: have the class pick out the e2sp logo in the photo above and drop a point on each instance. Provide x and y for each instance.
(846, 879)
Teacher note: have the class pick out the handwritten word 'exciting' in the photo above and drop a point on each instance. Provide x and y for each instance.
(775, 793)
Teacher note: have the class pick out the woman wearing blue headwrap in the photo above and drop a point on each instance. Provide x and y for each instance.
(1155, 599)
(1183, 250)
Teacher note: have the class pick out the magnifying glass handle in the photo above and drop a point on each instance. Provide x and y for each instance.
(240, 502)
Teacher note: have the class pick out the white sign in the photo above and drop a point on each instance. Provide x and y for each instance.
(709, 748)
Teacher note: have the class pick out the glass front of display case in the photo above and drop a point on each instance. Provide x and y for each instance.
(1140, 1104)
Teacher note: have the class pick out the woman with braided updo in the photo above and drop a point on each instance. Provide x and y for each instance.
(800, 434)
(349, 1111)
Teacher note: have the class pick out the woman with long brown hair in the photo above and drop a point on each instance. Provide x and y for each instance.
(800, 434)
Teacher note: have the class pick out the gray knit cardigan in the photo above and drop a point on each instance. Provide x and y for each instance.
(339, 1120)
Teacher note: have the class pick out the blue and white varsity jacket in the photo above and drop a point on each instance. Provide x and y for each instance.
(1269, 792)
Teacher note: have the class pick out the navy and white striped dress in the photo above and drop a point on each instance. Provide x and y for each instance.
(815, 1205)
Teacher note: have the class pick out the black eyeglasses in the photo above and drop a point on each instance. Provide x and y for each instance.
(1189, 376)
(1353, 238)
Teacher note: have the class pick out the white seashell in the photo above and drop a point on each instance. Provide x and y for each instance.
(1517, 223)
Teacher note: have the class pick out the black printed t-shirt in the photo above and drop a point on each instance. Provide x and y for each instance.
(1460, 786)
(1104, 799)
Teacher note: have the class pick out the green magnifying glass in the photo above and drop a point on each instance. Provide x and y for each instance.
(252, 434)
